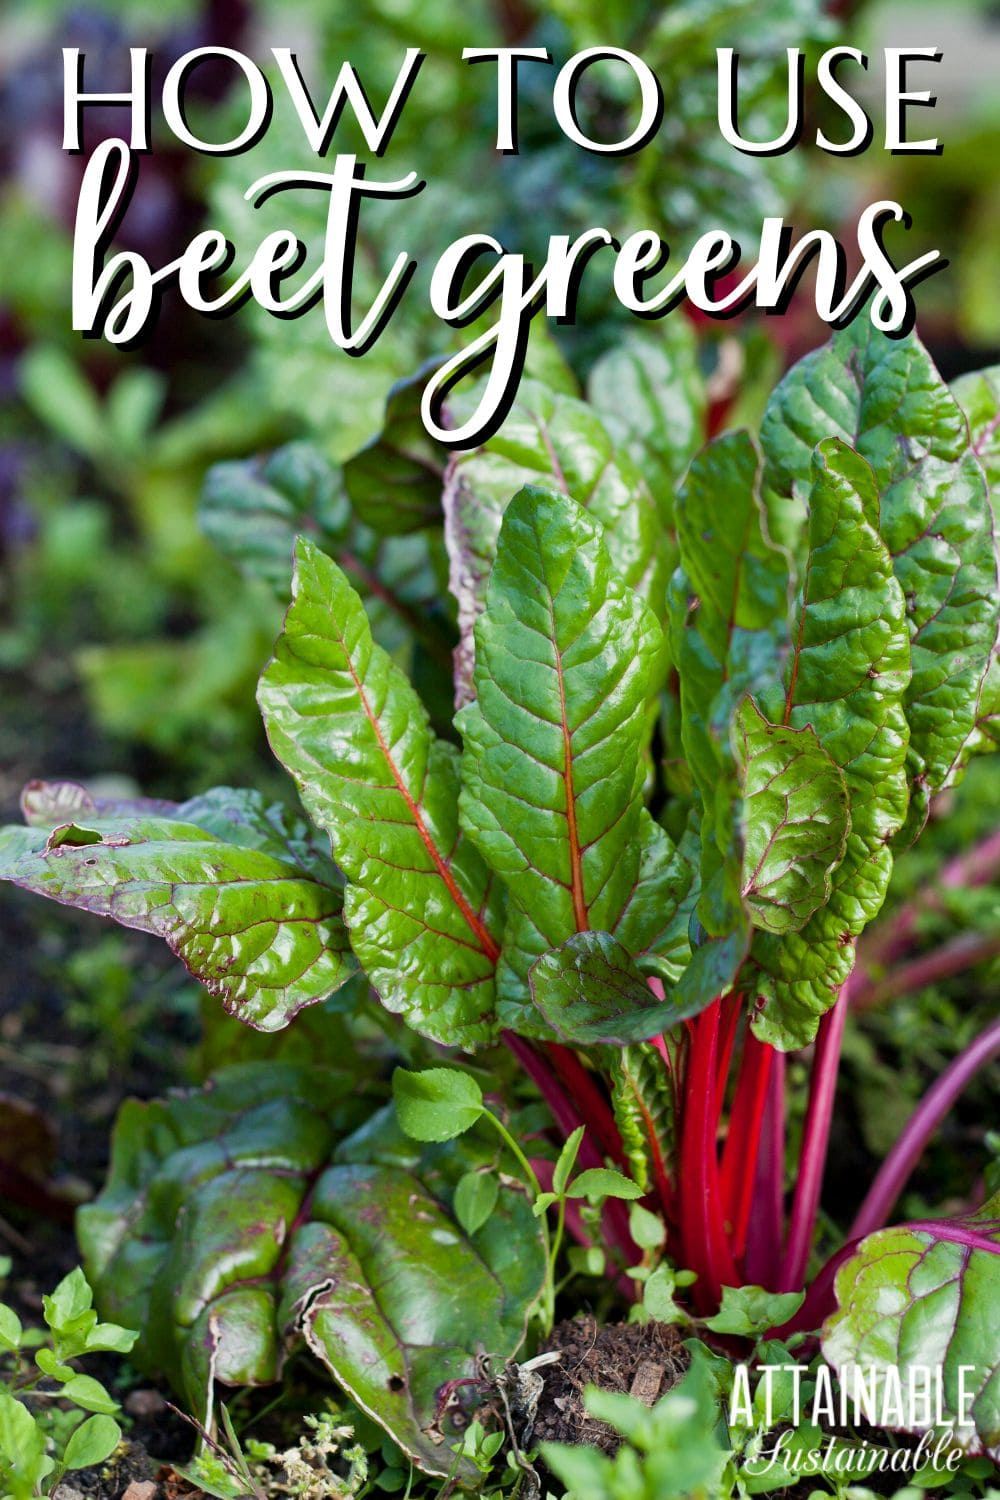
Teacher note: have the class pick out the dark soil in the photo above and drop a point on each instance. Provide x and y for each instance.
(640, 1359)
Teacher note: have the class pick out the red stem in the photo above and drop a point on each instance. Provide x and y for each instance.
(766, 1230)
(739, 1157)
(568, 1118)
(895, 1171)
(592, 1104)
(707, 1250)
(732, 1008)
(815, 1142)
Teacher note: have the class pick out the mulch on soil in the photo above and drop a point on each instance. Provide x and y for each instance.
(639, 1359)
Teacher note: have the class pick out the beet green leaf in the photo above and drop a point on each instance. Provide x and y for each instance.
(251, 909)
(885, 398)
(844, 676)
(796, 819)
(420, 904)
(238, 1222)
(554, 440)
(552, 767)
(922, 1298)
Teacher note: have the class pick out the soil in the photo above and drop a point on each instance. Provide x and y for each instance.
(640, 1359)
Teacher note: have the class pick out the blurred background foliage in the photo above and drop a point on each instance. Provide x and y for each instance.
(130, 645)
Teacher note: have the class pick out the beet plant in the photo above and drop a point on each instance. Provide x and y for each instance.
(697, 717)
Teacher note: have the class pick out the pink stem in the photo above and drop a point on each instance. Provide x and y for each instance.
(563, 1112)
(895, 1171)
(568, 1119)
(820, 1298)
(888, 940)
(963, 952)
(815, 1143)
(766, 1230)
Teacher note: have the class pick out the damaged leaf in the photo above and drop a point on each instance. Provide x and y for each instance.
(244, 1219)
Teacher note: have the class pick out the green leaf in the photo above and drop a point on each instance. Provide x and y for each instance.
(71, 1298)
(650, 394)
(475, 1199)
(589, 991)
(728, 629)
(341, 717)
(552, 765)
(395, 481)
(51, 1365)
(437, 1104)
(23, 1460)
(559, 442)
(644, 1102)
(885, 397)
(109, 1336)
(844, 676)
(57, 390)
(918, 1298)
(648, 1230)
(238, 1223)
(658, 1295)
(567, 1159)
(10, 1328)
(85, 1391)
(253, 510)
(257, 930)
(603, 1182)
(978, 394)
(750, 1311)
(93, 1441)
(796, 819)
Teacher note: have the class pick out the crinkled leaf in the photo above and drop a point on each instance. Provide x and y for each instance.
(885, 398)
(795, 820)
(253, 509)
(728, 627)
(922, 1297)
(395, 481)
(650, 393)
(257, 930)
(233, 1226)
(342, 718)
(643, 1097)
(589, 990)
(844, 676)
(552, 765)
(557, 441)
(978, 394)
(233, 814)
